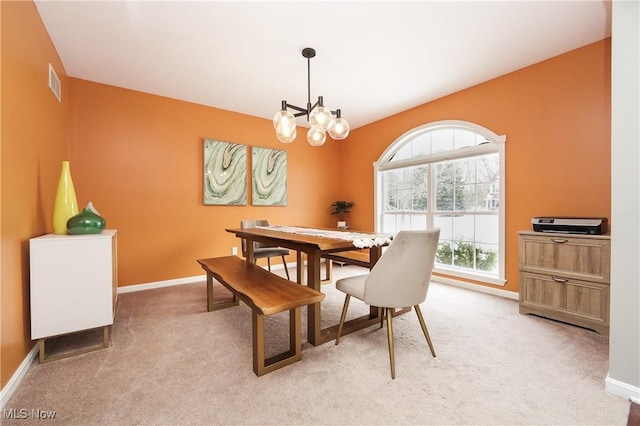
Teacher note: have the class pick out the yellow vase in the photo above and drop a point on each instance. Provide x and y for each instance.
(65, 205)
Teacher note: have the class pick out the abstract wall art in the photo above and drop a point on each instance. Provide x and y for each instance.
(269, 177)
(225, 173)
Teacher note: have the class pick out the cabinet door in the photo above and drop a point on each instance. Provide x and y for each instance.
(579, 258)
(542, 291)
(71, 283)
(590, 300)
(582, 303)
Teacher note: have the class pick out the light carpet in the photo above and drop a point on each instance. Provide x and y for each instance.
(171, 362)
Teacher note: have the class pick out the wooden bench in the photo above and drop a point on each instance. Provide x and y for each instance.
(266, 294)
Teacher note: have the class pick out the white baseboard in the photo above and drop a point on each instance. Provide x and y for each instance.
(616, 387)
(475, 287)
(12, 385)
(160, 284)
(178, 281)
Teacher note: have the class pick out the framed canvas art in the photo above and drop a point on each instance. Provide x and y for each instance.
(225, 173)
(269, 177)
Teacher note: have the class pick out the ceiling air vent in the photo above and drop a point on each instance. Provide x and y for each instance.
(54, 83)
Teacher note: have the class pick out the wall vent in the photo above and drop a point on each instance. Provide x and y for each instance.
(54, 83)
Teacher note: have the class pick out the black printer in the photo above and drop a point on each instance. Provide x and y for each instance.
(570, 225)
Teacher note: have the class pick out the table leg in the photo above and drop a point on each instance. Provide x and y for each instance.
(249, 253)
(299, 267)
(374, 256)
(328, 272)
(314, 330)
(316, 335)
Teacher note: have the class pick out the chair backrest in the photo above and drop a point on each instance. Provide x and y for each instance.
(252, 224)
(401, 277)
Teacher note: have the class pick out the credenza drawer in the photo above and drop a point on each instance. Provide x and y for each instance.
(575, 257)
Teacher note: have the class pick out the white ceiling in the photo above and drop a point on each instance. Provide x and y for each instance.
(374, 58)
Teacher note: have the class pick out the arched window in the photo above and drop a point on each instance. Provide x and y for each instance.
(450, 175)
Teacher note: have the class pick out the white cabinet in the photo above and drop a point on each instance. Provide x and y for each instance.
(74, 282)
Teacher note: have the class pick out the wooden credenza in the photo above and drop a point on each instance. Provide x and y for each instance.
(565, 277)
(74, 282)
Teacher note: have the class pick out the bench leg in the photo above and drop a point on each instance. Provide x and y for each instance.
(211, 303)
(263, 366)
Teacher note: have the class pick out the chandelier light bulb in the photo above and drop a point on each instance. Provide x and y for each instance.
(285, 132)
(316, 136)
(321, 116)
(340, 129)
(283, 116)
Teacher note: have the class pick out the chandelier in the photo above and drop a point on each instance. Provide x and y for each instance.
(319, 117)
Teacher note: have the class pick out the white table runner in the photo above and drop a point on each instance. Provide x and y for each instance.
(360, 240)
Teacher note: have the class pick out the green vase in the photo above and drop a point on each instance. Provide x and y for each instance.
(65, 205)
(88, 221)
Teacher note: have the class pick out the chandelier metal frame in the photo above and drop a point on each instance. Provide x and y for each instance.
(308, 52)
(320, 117)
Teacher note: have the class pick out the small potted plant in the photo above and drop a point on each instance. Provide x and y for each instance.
(341, 208)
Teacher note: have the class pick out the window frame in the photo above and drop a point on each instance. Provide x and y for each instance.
(496, 145)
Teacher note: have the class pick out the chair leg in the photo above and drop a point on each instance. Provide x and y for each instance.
(381, 315)
(343, 316)
(284, 262)
(269, 263)
(390, 338)
(424, 330)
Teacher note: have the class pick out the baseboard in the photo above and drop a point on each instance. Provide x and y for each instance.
(178, 281)
(616, 387)
(475, 287)
(160, 284)
(14, 382)
(281, 265)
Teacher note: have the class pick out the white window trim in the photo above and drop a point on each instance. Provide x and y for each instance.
(383, 164)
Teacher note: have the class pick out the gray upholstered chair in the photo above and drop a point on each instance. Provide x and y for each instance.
(400, 279)
(261, 251)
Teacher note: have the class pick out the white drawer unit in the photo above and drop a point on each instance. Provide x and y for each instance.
(74, 282)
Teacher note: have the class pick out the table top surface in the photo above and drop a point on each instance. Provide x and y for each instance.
(323, 239)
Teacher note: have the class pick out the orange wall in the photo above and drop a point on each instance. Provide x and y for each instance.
(556, 116)
(139, 159)
(34, 143)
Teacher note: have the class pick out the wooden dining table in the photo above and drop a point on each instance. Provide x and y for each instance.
(315, 243)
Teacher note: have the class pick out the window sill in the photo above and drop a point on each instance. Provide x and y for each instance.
(473, 276)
